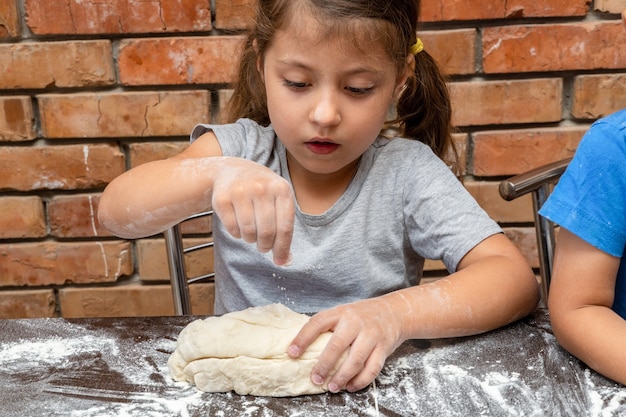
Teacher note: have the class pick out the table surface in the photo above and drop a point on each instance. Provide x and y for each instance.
(118, 367)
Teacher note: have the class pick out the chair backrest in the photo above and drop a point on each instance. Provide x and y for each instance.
(177, 266)
(539, 182)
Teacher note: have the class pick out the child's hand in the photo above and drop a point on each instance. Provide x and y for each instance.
(256, 204)
(367, 328)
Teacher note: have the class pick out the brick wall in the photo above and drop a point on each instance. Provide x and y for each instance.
(89, 89)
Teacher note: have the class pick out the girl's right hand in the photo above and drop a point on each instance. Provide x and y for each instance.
(255, 204)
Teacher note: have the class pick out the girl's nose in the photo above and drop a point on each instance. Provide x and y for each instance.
(325, 111)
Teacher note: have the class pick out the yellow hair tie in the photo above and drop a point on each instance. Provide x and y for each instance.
(417, 47)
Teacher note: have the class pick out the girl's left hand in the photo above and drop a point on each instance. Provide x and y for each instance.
(367, 330)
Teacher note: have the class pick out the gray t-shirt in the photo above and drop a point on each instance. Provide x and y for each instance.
(402, 206)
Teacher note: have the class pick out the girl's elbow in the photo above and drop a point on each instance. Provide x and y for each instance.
(109, 217)
(529, 290)
(106, 218)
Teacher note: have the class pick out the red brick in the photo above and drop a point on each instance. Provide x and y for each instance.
(478, 103)
(22, 217)
(9, 19)
(16, 119)
(446, 10)
(75, 216)
(49, 17)
(433, 266)
(57, 64)
(525, 239)
(67, 167)
(488, 197)
(192, 60)
(66, 55)
(141, 114)
(510, 152)
(234, 14)
(454, 50)
(152, 259)
(27, 304)
(554, 47)
(53, 263)
(132, 300)
(596, 96)
(198, 226)
(610, 6)
(140, 153)
(461, 144)
(223, 97)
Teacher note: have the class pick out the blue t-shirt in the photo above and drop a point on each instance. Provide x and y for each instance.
(590, 198)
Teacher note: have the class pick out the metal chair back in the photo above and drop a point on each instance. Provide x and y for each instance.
(177, 266)
(539, 182)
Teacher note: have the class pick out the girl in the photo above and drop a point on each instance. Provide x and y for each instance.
(348, 215)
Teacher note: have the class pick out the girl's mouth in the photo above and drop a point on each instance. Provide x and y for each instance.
(321, 147)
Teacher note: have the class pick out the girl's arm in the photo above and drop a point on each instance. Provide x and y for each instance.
(153, 196)
(493, 286)
(581, 296)
(253, 202)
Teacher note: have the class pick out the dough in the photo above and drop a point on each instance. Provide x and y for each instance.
(246, 351)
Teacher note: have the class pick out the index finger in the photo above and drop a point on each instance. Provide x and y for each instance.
(285, 215)
(316, 325)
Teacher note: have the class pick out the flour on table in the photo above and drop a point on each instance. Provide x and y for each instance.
(246, 352)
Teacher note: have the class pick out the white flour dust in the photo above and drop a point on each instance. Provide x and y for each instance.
(53, 364)
(51, 351)
(80, 372)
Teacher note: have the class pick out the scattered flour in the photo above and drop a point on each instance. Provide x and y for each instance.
(124, 373)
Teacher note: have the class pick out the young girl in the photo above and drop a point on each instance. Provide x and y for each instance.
(348, 215)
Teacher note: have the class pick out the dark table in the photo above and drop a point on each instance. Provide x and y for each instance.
(118, 367)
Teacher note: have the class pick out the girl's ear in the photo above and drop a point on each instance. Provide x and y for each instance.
(409, 70)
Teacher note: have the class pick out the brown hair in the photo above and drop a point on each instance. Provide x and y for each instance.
(423, 110)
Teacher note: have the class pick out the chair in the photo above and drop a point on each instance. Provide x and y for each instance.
(177, 266)
(539, 182)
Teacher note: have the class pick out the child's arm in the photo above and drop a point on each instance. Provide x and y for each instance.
(493, 286)
(581, 296)
(253, 202)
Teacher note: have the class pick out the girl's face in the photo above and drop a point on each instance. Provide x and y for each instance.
(327, 100)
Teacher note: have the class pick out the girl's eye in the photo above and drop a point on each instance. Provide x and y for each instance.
(295, 85)
(360, 91)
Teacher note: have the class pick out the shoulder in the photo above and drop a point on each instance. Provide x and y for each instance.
(411, 159)
(600, 157)
(602, 149)
(242, 128)
(616, 120)
(404, 151)
(589, 198)
(245, 138)
(606, 133)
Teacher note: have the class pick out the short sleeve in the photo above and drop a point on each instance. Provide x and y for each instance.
(590, 198)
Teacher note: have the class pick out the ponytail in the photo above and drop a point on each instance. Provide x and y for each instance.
(248, 98)
(424, 111)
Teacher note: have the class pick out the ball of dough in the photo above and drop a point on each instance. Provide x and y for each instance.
(246, 352)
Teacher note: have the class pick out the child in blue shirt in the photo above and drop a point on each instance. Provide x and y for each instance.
(587, 299)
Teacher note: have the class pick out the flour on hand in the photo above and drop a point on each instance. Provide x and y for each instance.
(246, 352)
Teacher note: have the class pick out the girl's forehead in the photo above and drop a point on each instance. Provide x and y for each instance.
(353, 36)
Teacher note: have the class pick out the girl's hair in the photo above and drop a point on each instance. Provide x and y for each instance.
(423, 110)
